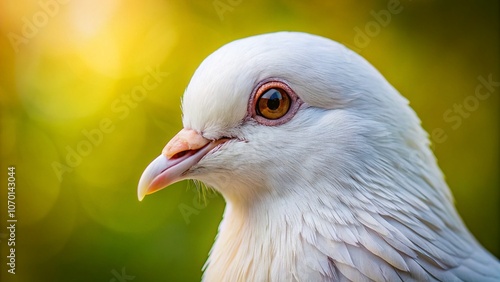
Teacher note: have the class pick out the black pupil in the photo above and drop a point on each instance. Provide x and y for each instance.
(274, 99)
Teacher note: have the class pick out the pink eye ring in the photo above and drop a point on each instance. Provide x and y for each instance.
(273, 102)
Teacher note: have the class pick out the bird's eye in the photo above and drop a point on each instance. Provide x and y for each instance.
(273, 103)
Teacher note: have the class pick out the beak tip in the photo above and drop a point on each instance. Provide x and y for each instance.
(141, 194)
(140, 197)
(148, 176)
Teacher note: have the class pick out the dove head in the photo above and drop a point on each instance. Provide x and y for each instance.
(325, 169)
(283, 113)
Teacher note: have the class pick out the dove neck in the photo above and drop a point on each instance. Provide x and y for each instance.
(248, 243)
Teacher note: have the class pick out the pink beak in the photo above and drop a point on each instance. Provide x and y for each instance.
(185, 150)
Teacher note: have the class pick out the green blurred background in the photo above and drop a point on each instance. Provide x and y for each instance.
(90, 93)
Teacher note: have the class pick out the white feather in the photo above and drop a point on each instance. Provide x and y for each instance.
(347, 190)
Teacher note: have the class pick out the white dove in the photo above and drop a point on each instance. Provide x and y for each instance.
(326, 172)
